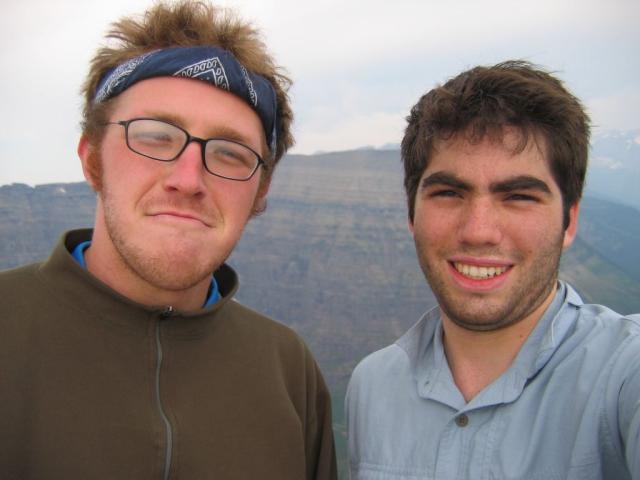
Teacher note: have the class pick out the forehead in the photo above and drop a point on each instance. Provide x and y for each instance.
(492, 156)
(195, 105)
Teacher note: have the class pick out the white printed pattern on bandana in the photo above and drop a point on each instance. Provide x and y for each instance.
(211, 67)
(247, 80)
(119, 74)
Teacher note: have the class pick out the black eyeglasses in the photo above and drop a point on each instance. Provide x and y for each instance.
(164, 141)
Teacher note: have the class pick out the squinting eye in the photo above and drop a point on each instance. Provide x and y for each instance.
(444, 193)
(519, 197)
(156, 137)
(227, 152)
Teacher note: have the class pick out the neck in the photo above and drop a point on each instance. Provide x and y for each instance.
(478, 358)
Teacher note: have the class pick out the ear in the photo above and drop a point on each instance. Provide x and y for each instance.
(86, 153)
(572, 228)
(263, 189)
(260, 203)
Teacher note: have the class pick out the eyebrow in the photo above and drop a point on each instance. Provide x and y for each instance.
(520, 182)
(220, 131)
(444, 178)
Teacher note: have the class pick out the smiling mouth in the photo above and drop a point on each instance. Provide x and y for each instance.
(476, 272)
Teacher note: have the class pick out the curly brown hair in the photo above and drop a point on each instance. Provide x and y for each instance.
(481, 102)
(186, 23)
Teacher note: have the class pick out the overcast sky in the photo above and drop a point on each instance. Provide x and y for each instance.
(358, 65)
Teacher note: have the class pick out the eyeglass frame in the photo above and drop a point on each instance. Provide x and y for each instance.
(190, 138)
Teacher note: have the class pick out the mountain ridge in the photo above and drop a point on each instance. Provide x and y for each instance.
(332, 256)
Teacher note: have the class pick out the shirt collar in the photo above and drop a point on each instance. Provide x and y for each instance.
(425, 349)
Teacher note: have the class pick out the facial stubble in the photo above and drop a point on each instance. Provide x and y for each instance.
(478, 312)
(167, 270)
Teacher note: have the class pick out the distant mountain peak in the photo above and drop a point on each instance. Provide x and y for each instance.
(606, 162)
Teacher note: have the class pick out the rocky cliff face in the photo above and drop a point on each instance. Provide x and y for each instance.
(332, 256)
(31, 219)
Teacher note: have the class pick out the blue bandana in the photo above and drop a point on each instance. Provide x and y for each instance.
(210, 64)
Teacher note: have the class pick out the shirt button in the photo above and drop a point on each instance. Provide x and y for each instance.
(462, 420)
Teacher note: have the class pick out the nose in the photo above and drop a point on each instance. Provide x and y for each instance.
(481, 224)
(186, 174)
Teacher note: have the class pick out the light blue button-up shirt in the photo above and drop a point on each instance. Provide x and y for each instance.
(567, 408)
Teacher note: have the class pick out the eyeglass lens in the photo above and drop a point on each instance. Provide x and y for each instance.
(162, 141)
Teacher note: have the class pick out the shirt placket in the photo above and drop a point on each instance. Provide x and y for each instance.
(466, 443)
(454, 448)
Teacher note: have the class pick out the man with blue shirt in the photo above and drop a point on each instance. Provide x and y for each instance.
(124, 354)
(511, 376)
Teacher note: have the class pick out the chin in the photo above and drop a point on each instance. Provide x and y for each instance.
(179, 276)
(174, 271)
(184, 282)
(481, 325)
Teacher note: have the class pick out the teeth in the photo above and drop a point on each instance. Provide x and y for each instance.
(479, 273)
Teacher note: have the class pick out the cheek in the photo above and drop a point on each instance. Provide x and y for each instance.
(533, 236)
(432, 228)
(235, 200)
(128, 174)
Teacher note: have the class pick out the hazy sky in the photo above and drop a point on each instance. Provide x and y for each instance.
(358, 65)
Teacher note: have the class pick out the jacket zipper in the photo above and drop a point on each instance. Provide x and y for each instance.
(166, 313)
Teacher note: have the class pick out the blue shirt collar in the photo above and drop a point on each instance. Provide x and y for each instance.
(424, 347)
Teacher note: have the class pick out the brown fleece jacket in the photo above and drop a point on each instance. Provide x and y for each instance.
(94, 386)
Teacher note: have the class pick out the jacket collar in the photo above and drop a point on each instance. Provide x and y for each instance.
(97, 300)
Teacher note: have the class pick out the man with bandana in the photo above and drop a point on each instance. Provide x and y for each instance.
(124, 354)
(511, 376)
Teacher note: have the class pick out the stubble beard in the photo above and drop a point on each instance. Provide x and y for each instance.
(174, 270)
(480, 313)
